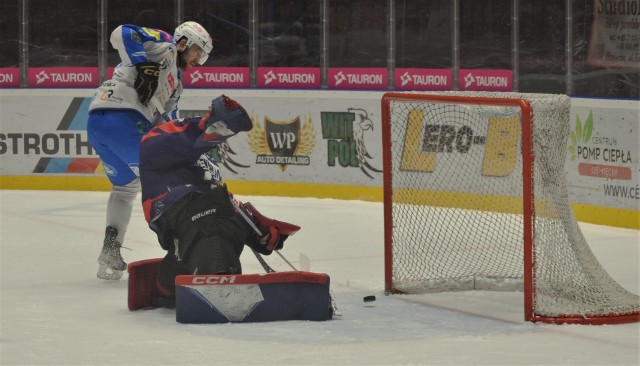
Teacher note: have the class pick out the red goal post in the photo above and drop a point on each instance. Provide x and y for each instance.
(475, 198)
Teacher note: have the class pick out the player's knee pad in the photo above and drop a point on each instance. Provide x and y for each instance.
(206, 215)
(125, 195)
(167, 272)
(129, 190)
(120, 205)
(214, 255)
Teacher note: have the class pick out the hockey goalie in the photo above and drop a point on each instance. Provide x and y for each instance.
(204, 229)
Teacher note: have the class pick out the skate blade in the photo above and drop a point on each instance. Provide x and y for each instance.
(106, 273)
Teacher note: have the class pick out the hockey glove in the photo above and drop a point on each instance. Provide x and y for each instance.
(273, 239)
(274, 232)
(147, 80)
(225, 119)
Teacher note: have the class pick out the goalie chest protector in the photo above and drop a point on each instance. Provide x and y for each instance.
(247, 298)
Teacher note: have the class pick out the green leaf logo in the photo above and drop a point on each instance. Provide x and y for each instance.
(581, 135)
(588, 128)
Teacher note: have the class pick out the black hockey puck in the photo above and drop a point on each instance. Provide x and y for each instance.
(369, 298)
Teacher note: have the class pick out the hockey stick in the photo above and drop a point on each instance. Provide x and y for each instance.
(160, 108)
(257, 230)
(267, 267)
(263, 263)
(285, 259)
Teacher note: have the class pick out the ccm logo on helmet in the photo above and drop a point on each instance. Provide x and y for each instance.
(209, 280)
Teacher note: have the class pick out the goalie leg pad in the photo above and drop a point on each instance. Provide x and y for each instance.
(142, 283)
(253, 297)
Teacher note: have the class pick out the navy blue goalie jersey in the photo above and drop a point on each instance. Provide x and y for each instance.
(174, 162)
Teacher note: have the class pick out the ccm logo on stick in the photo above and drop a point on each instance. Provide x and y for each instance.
(208, 280)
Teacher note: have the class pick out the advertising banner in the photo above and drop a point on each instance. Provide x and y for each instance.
(289, 77)
(50, 139)
(358, 78)
(9, 77)
(485, 80)
(330, 138)
(615, 34)
(423, 79)
(217, 77)
(63, 77)
(303, 137)
(603, 154)
(297, 137)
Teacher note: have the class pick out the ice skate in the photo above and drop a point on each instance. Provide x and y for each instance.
(110, 262)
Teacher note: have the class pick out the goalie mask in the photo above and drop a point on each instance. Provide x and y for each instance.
(195, 34)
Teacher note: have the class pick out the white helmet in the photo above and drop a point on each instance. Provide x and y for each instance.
(195, 34)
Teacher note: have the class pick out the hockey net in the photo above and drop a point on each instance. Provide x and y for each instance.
(475, 198)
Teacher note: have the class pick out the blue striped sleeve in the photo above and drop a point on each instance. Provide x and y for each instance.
(134, 38)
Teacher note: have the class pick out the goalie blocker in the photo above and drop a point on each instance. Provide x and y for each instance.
(274, 296)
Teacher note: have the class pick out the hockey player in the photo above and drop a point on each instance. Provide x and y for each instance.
(186, 204)
(123, 109)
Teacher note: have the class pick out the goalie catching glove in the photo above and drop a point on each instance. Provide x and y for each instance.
(147, 80)
(274, 232)
(225, 118)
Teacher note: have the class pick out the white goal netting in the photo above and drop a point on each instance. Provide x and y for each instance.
(454, 193)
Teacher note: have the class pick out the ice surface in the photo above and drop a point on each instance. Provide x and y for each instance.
(54, 311)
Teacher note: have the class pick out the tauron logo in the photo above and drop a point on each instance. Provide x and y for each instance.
(269, 77)
(468, 80)
(196, 76)
(41, 77)
(406, 78)
(340, 78)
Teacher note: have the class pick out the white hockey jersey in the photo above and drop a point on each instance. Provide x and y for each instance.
(140, 44)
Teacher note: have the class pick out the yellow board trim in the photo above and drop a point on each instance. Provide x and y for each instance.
(97, 183)
(585, 213)
(469, 201)
(608, 216)
(335, 191)
(64, 182)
